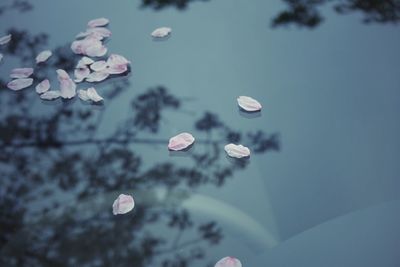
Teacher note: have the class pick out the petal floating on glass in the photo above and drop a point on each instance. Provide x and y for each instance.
(84, 62)
(161, 32)
(93, 95)
(19, 84)
(249, 104)
(81, 74)
(99, 22)
(180, 141)
(43, 56)
(123, 204)
(237, 151)
(117, 64)
(67, 86)
(21, 73)
(5, 39)
(50, 95)
(228, 262)
(82, 94)
(99, 65)
(97, 76)
(43, 86)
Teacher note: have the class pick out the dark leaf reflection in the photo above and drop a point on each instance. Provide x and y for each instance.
(59, 176)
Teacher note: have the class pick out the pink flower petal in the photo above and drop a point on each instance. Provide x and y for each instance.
(89, 46)
(50, 95)
(117, 64)
(21, 73)
(43, 56)
(249, 104)
(228, 262)
(97, 76)
(93, 95)
(84, 62)
(161, 32)
(98, 33)
(43, 86)
(99, 65)
(98, 22)
(5, 39)
(81, 74)
(19, 84)
(237, 151)
(67, 86)
(180, 141)
(123, 204)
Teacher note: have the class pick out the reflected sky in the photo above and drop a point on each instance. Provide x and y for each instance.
(331, 95)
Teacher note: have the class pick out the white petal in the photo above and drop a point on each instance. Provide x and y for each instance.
(180, 141)
(43, 86)
(91, 47)
(228, 262)
(19, 84)
(1, 57)
(97, 76)
(249, 104)
(84, 62)
(237, 151)
(117, 64)
(98, 22)
(81, 74)
(67, 86)
(21, 73)
(93, 95)
(43, 56)
(50, 95)
(5, 39)
(99, 65)
(98, 33)
(161, 32)
(123, 204)
(83, 95)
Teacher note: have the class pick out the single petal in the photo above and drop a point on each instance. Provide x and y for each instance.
(82, 94)
(228, 262)
(5, 39)
(117, 64)
(67, 86)
(43, 86)
(84, 62)
(96, 51)
(99, 65)
(43, 56)
(249, 104)
(19, 84)
(123, 204)
(98, 22)
(97, 76)
(237, 151)
(21, 73)
(50, 95)
(161, 32)
(93, 95)
(81, 74)
(98, 33)
(180, 141)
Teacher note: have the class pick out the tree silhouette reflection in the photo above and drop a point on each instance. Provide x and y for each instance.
(59, 177)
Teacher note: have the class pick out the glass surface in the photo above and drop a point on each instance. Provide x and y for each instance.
(325, 145)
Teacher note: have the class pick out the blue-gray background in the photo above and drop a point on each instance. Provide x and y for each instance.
(332, 93)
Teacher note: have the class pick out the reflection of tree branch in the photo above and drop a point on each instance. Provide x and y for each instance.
(180, 246)
(57, 144)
